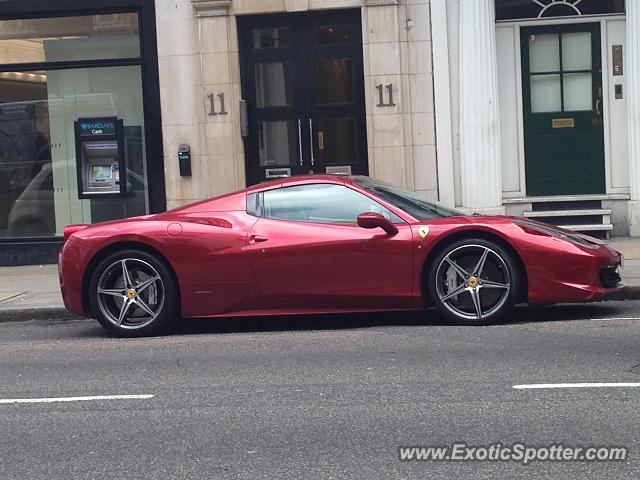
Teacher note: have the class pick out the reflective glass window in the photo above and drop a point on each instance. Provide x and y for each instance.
(38, 182)
(544, 53)
(321, 203)
(334, 81)
(277, 143)
(274, 84)
(333, 34)
(270, 37)
(545, 93)
(521, 9)
(58, 39)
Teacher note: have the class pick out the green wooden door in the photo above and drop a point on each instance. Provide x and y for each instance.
(562, 100)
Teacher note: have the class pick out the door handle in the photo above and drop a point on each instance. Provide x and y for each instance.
(257, 239)
(313, 160)
(598, 106)
(300, 141)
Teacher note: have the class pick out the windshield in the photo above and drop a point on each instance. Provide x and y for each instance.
(416, 205)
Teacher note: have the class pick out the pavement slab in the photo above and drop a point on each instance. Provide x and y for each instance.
(9, 296)
(30, 287)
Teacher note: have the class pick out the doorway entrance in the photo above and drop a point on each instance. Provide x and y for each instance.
(562, 99)
(303, 81)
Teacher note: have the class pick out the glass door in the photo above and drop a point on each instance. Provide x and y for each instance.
(274, 86)
(302, 78)
(336, 98)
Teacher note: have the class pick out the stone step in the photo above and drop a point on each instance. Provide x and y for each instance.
(566, 198)
(596, 227)
(568, 213)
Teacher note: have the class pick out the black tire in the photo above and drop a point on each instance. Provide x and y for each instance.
(149, 311)
(492, 292)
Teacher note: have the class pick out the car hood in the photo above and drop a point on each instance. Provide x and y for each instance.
(555, 230)
(503, 220)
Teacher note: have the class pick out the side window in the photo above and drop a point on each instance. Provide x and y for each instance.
(253, 204)
(320, 203)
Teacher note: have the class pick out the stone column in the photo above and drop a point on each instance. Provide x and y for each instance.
(442, 101)
(632, 73)
(223, 158)
(479, 114)
(179, 69)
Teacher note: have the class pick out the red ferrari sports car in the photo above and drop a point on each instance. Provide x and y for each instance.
(320, 244)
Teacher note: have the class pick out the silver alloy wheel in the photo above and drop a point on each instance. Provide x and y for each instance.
(131, 293)
(467, 271)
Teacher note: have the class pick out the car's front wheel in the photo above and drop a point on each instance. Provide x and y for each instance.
(132, 293)
(473, 282)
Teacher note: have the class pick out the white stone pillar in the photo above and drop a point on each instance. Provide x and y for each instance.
(632, 73)
(480, 164)
(442, 101)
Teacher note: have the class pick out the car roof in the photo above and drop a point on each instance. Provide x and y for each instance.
(302, 180)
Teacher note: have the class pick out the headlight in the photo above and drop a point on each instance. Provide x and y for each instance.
(553, 232)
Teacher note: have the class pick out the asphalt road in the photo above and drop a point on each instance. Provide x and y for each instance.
(328, 397)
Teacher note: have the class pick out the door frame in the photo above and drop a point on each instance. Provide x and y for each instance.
(612, 31)
(303, 107)
(598, 87)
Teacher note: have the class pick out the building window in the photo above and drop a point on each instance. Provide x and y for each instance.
(52, 72)
(526, 9)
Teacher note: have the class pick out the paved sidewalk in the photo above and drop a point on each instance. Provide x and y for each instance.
(29, 287)
(630, 248)
(27, 290)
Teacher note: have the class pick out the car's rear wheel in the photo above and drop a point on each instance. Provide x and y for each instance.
(473, 282)
(133, 293)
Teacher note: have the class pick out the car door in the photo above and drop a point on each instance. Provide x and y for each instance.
(307, 251)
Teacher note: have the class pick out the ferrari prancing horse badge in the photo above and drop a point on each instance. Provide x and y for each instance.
(423, 231)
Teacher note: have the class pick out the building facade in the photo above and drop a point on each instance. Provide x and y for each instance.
(263, 89)
(130, 107)
(248, 90)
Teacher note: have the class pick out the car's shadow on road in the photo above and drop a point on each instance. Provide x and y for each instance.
(521, 315)
(299, 322)
(431, 317)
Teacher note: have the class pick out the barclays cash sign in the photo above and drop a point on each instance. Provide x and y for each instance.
(98, 128)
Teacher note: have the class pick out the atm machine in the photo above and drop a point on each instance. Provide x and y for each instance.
(100, 157)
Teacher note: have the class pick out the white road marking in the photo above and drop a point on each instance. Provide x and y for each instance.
(614, 318)
(74, 399)
(574, 385)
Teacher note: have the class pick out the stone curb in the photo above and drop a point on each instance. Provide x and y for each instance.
(26, 314)
(57, 313)
(627, 293)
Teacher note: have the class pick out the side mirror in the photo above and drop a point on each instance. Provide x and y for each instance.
(375, 220)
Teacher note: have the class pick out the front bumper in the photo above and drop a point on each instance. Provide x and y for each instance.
(610, 277)
(575, 275)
